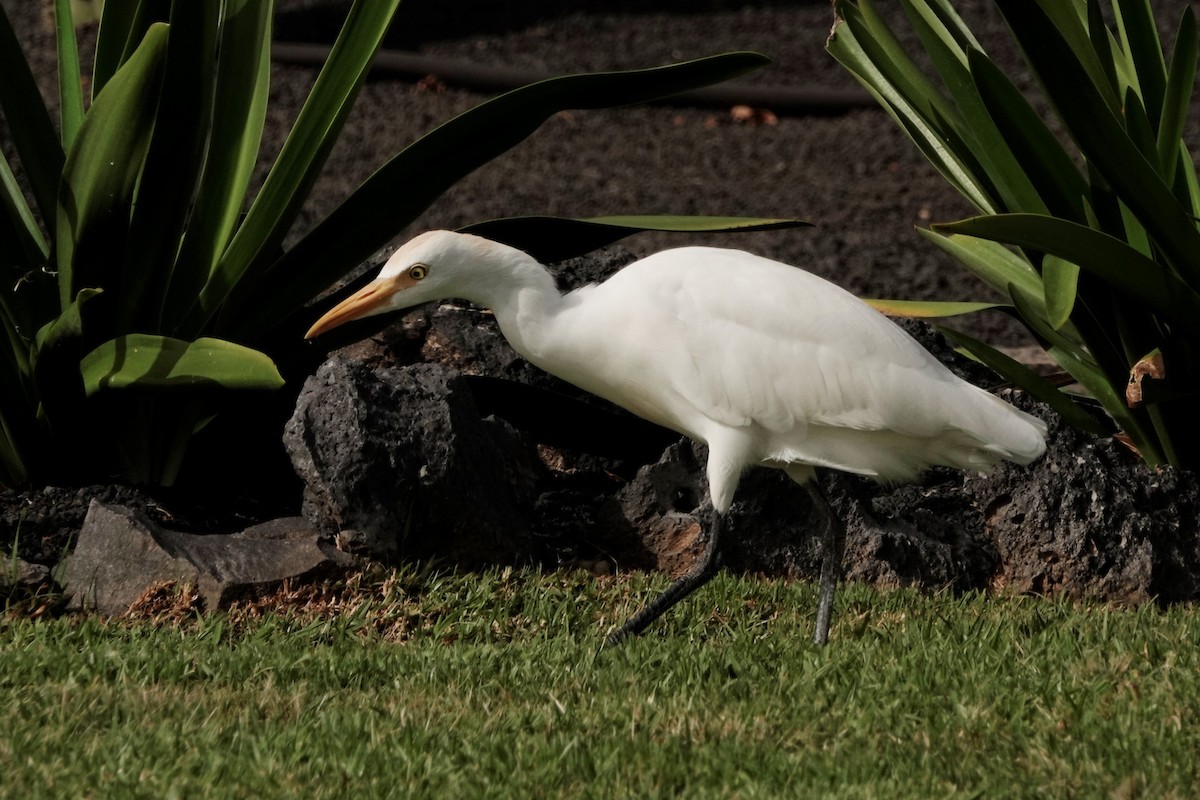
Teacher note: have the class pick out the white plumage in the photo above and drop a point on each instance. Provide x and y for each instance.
(767, 364)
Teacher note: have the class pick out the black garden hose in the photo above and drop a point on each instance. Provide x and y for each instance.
(781, 100)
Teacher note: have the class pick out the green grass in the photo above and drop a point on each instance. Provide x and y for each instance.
(427, 685)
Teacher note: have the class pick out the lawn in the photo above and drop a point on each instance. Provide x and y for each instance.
(424, 684)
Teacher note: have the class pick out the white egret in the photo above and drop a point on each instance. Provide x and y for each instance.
(766, 363)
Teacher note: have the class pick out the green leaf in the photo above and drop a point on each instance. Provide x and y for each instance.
(15, 471)
(406, 185)
(124, 33)
(70, 89)
(889, 56)
(29, 122)
(1137, 125)
(1139, 38)
(116, 25)
(303, 154)
(1084, 369)
(933, 134)
(1130, 273)
(1190, 181)
(18, 399)
(55, 363)
(1039, 152)
(167, 185)
(1000, 174)
(19, 443)
(1178, 95)
(1060, 278)
(102, 171)
(551, 239)
(1067, 22)
(927, 309)
(21, 244)
(1102, 138)
(954, 24)
(1105, 47)
(1024, 377)
(997, 265)
(239, 110)
(142, 361)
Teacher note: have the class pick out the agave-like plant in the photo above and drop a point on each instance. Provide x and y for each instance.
(1092, 234)
(141, 292)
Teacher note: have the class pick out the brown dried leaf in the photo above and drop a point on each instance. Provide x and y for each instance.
(1150, 366)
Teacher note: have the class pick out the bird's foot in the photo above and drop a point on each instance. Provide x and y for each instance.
(700, 574)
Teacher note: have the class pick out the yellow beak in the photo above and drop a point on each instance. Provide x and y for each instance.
(371, 299)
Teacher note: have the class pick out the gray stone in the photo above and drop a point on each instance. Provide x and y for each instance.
(121, 554)
(17, 575)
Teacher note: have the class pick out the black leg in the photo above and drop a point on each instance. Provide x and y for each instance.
(700, 574)
(831, 562)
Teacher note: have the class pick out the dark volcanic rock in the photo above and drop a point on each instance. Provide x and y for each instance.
(1090, 520)
(922, 535)
(398, 462)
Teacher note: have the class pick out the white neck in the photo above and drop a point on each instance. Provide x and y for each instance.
(526, 301)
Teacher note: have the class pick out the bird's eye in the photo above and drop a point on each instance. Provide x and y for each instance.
(418, 271)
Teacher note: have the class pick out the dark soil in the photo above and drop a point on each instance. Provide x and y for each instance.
(854, 175)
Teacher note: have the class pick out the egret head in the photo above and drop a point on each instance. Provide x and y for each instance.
(433, 266)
